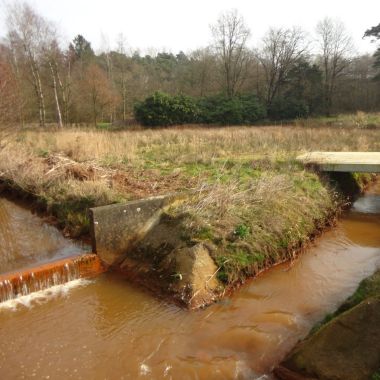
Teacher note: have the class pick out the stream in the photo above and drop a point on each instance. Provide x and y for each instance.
(105, 328)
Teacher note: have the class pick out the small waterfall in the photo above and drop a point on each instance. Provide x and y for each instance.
(17, 284)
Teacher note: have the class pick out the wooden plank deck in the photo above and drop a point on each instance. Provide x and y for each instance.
(364, 162)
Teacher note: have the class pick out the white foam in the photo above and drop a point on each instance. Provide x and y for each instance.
(144, 369)
(242, 370)
(42, 296)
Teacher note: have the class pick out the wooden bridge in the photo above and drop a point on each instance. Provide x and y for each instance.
(364, 162)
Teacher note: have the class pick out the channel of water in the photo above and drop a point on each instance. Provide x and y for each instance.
(105, 328)
(26, 240)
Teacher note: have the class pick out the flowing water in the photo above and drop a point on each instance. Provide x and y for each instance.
(25, 240)
(107, 329)
(14, 285)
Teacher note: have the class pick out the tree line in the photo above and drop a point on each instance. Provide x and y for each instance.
(43, 81)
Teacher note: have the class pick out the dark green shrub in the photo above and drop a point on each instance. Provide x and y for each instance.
(239, 110)
(185, 109)
(162, 109)
(287, 108)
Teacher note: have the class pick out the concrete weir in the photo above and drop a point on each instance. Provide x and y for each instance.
(116, 228)
(141, 240)
(350, 162)
(44, 276)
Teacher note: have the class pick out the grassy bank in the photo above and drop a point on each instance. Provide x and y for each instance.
(369, 287)
(349, 336)
(360, 120)
(251, 224)
(253, 204)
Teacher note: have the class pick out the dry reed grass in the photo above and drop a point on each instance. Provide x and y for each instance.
(260, 222)
(194, 145)
(253, 201)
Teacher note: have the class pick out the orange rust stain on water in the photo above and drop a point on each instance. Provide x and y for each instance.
(24, 282)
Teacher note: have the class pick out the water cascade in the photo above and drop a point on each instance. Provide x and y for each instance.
(22, 283)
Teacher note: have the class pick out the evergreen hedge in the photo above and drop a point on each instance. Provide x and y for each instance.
(161, 109)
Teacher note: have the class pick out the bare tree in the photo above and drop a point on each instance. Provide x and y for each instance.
(26, 34)
(63, 73)
(101, 96)
(201, 73)
(121, 49)
(8, 94)
(360, 91)
(230, 37)
(105, 52)
(281, 50)
(12, 74)
(336, 48)
(9, 101)
(52, 54)
(34, 42)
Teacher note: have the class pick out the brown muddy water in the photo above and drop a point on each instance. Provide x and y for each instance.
(108, 329)
(25, 240)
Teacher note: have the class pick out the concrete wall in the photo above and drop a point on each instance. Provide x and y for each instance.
(350, 162)
(116, 228)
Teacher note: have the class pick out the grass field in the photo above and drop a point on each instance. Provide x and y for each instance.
(253, 203)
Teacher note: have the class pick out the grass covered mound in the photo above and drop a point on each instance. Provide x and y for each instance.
(249, 225)
(251, 203)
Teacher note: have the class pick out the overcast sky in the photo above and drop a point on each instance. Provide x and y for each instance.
(174, 25)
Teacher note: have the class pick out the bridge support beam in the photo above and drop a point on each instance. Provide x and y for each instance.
(349, 162)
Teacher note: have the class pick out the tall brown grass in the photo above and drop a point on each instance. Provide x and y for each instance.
(251, 197)
(158, 160)
(195, 144)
